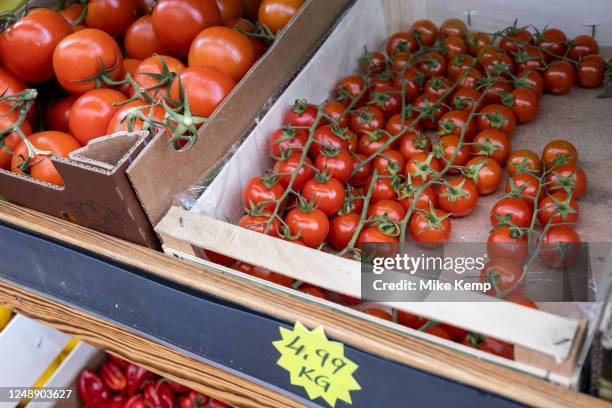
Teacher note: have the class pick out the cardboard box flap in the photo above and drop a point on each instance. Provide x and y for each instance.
(109, 152)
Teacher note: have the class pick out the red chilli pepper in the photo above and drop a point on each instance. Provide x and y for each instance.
(92, 389)
(112, 376)
(136, 377)
(192, 400)
(116, 401)
(159, 394)
(136, 402)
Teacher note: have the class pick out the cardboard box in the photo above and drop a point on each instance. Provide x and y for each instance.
(114, 183)
(533, 332)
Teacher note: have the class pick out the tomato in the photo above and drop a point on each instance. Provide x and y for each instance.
(558, 208)
(524, 185)
(11, 85)
(56, 114)
(531, 79)
(449, 146)
(351, 87)
(225, 49)
(141, 41)
(389, 162)
(216, 257)
(477, 42)
(276, 14)
(7, 119)
(310, 226)
(519, 300)
(370, 143)
(492, 143)
(412, 81)
(80, 56)
(381, 314)
(39, 33)
(328, 137)
(41, 167)
(259, 46)
(375, 235)
(335, 112)
(465, 98)
(490, 345)
(386, 98)
(458, 196)
(559, 77)
(567, 178)
(259, 223)
(523, 161)
(287, 140)
(505, 273)
(372, 62)
(328, 195)
(515, 39)
(206, 87)
(486, 173)
(469, 78)
(383, 189)
(230, 9)
(360, 172)
(312, 290)
(396, 125)
(130, 65)
(524, 104)
(92, 112)
(494, 93)
(427, 199)
(410, 320)
(582, 46)
(388, 210)
(590, 71)
(421, 168)
(437, 87)
(454, 46)
(455, 123)
(336, 162)
(121, 120)
(459, 64)
(457, 334)
(401, 42)
(511, 211)
(509, 243)
(269, 276)
(301, 114)
(529, 58)
(112, 16)
(284, 168)
(424, 31)
(497, 117)
(148, 73)
(453, 27)
(432, 110)
(560, 246)
(553, 41)
(412, 143)
(178, 22)
(263, 192)
(430, 226)
(559, 152)
(498, 65)
(432, 64)
(367, 119)
(341, 229)
(72, 13)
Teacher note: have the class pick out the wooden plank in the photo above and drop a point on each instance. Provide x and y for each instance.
(139, 350)
(365, 335)
(534, 329)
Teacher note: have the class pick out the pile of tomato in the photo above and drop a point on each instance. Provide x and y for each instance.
(412, 140)
(113, 65)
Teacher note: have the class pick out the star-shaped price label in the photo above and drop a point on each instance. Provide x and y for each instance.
(317, 364)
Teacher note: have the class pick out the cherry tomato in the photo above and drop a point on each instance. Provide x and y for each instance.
(367, 119)
(477, 42)
(285, 168)
(351, 87)
(337, 162)
(557, 149)
(558, 208)
(453, 27)
(141, 41)
(225, 49)
(465, 98)
(531, 79)
(457, 334)
(486, 173)
(342, 228)
(396, 125)
(375, 235)
(432, 110)
(490, 345)
(112, 16)
(301, 114)
(269, 276)
(328, 137)
(41, 167)
(401, 42)
(492, 143)
(7, 118)
(259, 46)
(230, 9)
(505, 273)
(567, 178)
(370, 143)
(454, 46)
(426, 200)
(523, 161)
(431, 226)
(386, 98)
(455, 123)
(39, 33)
(421, 167)
(412, 81)
(525, 105)
(130, 65)
(263, 192)
(336, 113)
(553, 41)
(178, 22)
(148, 73)
(529, 58)
(276, 14)
(560, 246)
(515, 39)
(410, 320)
(381, 314)
(92, 112)
(360, 172)
(206, 87)
(494, 93)
(288, 140)
(425, 31)
(388, 210)
(511, 211)
(459, 64)
(121, 121)
(72, 13)
(389, 162)
(312, 290)
(582, 46)
(56, 115)
(470, 78)
(328, 195)
(559, 77)
(509, 243)
(524, 185)
(412, 143)
(590, 71)
(498, 65)
(449, 146)
(432, 64)
(382, 189)
(80, 56)
(372, 62)
(215, 257)
(310, 226)
(259, 223)
(458, 196)
(437, 87)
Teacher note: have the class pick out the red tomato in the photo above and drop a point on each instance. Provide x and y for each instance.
(529, 58)
(458, 196)
(559, 152)
(432, 64)
(328, 195)
(328, 137)
(141, 41)
(486, 173)
(401, 42)
(92, 112)
(465, 98)
(72, 13)
(430, 226)
(337, 162)
(56, 115)
(591, 71)
(80, 56)
(121, 122)
(523, 161)
(427, 199)
(490, 345)
(412, 82)
(216, 257)
(523, 301)
(149, 71)
(206, 87)
(360, 171)
(387, 210)
(230, 9)
(449, 146)
(582, 46)
(531, 79)
(498, 64)
(270, 276)
(389, 162)
(421, 168)
(515, 39)
(40, 167)
(559, 77)
(525, 105)
(386, 98)
(459, 64)
(309, 226)
(524, 185)
(367, 119)
(276, 14)
(7, 119)
(395, 125)
(383, 189)
(26, 47)
(492, 143)
(567, 178)
(381, 314)
(287, 140)
(372, 62)
(312, 290)
(351, 87)
(438, 87)
(553, 41)
(424, 31)
(508, 242)
(494, 93)
(130, 65)
(431, 109)
(456, 123)
(453, 27)
(497, 117)
(410, 320)
(112, 16)
(342, 228)
(455, 46)
(477, 42)
(301, 114)
(225, 49)
(371, 143)
(512, 212)
(438, 332)
(375, 235)
(263, 192)
(245, 26)
(558, 208)
(412, 143)
(335, 112)
(261, 224)
(560, 246)
(284, 169)
(457, 334)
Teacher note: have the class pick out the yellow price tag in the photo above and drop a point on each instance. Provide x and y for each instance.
(317, 364)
